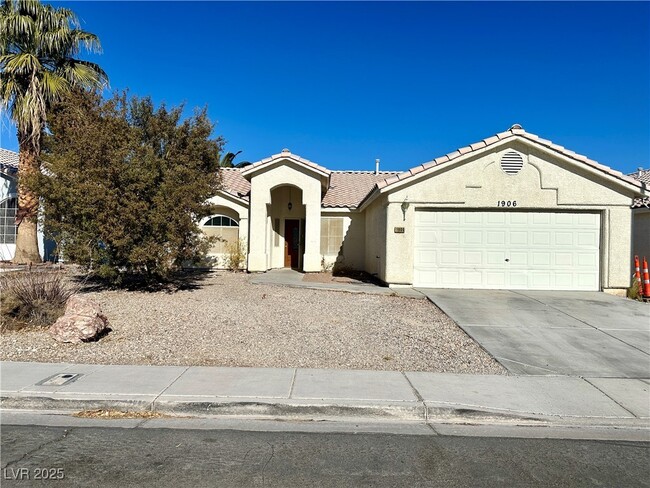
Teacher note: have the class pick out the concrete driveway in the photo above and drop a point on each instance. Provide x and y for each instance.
(550, 332)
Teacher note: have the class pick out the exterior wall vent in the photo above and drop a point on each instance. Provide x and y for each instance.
(511, 162)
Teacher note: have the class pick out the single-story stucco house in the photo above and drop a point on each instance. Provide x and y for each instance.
(512, 211)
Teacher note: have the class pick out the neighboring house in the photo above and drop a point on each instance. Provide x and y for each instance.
(513, 211)
(641, 221)
(8, 204)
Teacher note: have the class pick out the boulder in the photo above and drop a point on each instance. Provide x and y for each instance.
(80, 305)
(82, 321)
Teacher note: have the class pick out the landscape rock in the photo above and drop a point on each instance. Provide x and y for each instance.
(80, 305)
(82, 321)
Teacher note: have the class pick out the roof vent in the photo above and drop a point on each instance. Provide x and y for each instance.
(511, 162)
(516, 127)
(286, 151)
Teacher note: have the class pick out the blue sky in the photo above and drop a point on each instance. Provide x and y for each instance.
(344, 83)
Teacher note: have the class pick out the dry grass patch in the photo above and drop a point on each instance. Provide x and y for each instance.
(119, 414)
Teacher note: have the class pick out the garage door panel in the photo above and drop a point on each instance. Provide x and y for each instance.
(518, 238)
(519, 280)
(540, 279)
(472, 278)
(495, 258)
(450, 258)
(450, 218)
(496, 238)
(540, 218)
(472, 237)
(586, 260)
(495, 218)
(563, 238)
(588, 220)
(472, 258)
(563, 259)
(426, 236)
(450, 237)
(563, 280)
(516, 250)
(587, 280)
(588, 239)
(542, 238)
(518, 258)
(565, 219)
(495, 278)
(450, 277)
(519, 219)
(542, 259)
(471, 218)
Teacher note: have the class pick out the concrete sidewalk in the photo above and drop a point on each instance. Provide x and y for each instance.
(330, 394)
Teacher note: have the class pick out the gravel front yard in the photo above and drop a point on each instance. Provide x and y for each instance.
(227, 321)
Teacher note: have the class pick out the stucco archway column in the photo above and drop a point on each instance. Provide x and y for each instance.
(312, 257)
(257, 256)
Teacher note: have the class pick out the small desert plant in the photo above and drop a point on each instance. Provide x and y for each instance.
(235, 255)
(33, 297)
(634, 291)
(325, 266)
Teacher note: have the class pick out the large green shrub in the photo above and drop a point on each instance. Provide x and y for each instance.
(125, 184)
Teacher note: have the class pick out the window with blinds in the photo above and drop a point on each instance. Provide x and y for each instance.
(331, 235)
(8, 221)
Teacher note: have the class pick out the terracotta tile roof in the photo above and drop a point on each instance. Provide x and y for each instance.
(642, 175)
(234, 183)
(515, 131)
(348, 188)
(285, 154)
(8, 160)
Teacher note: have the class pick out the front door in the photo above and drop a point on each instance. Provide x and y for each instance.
(291, 243)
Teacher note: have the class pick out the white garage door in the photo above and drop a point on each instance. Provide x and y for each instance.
(507, 250)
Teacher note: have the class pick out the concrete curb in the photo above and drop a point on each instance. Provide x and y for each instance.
(272, 409)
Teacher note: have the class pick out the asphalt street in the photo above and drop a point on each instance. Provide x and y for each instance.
(162, 457)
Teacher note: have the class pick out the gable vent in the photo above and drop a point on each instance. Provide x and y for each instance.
(511, 162)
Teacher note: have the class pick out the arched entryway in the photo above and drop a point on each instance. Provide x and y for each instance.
(287, 213)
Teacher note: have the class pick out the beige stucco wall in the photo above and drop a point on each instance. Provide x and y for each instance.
(352, 252)
(261, 256)
(641, 233)
(477, 182)
(375, 248)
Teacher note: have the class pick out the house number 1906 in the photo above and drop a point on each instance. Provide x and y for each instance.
(506, 203)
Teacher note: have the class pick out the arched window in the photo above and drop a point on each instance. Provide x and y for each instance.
(226, 229)
(8, 221)
(221, 221)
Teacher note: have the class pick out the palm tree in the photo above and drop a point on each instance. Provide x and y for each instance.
(38, 65)
(226, 161)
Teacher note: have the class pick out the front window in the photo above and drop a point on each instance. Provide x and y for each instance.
(226, 228)
(331, 235)
(8, 221)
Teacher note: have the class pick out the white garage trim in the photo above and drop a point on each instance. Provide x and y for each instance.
(518, 250)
